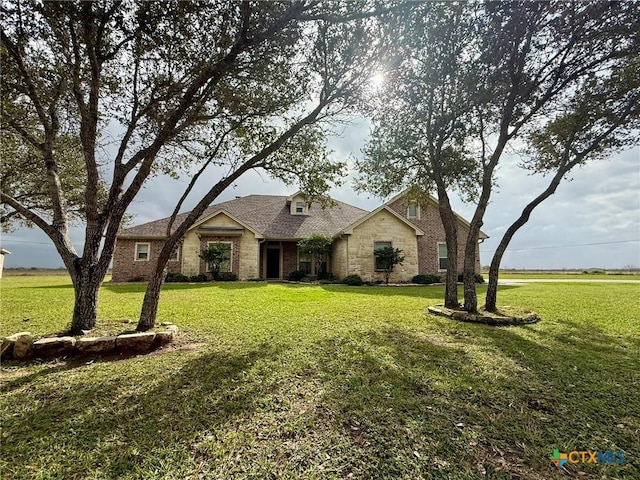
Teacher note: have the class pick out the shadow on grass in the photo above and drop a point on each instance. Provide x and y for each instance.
(422, 291)
(120, 431)
(487, 399)
(142, 287)
(448, 402)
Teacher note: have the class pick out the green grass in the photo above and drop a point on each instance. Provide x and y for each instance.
(278, 381)
(569, 276)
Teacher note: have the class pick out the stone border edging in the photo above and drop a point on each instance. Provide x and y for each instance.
(487, 319)
(22, 346)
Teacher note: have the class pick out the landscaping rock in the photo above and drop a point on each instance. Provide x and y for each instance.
(53, 347)
(172, 328)
(96, 344)
(487, 318)
(22, 345)
(6, 351)
(135, 342)
(163, 338)
(166, 324)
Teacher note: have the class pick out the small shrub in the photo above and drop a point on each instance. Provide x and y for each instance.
(297, 275)
(198, 278)
(594, 271)
(137, 278)
(353, 280)
(328, 277)
(426, 279)
(227, 277)
(479, 278)
(176, 277)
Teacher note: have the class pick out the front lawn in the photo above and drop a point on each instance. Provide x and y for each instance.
(280, 381)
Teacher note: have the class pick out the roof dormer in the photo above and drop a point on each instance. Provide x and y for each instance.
(298, 204)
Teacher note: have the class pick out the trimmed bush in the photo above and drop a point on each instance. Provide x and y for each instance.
(479, 278)
(227, 277)
(176, 277)
(297, 275)
(426, 279)
(353, 280)
(199, 278)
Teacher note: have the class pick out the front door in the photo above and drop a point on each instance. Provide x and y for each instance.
(273, 263)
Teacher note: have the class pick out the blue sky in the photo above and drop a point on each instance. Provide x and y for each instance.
(593, 220)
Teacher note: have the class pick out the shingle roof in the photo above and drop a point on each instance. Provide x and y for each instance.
(268, 215)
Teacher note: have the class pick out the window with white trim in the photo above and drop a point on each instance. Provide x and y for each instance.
(142, 252)
(442, 256)
(378, 246)
(413, 210)
(175, 255)
(225, 265)
(299, 207)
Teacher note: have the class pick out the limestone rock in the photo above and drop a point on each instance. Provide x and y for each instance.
(6, 351)
(135, 342)
(22, 344)
(53, 347)
(166, 324)
(96, 344)
(163, 338)
(172, 328)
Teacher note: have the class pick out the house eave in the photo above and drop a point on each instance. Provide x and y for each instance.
(133, 236)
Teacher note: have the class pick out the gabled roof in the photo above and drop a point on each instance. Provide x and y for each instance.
(384, 207)
(266, 215)
(434, 200)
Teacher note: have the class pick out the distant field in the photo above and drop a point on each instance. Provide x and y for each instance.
(327, 382)
(24, 272)
(576, 275)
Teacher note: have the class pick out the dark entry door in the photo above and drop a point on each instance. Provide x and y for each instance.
(273, 263)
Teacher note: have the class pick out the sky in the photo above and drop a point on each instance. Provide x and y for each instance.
(593, 220)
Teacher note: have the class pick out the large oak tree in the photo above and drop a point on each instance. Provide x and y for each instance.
(525, 62)
(163, 78)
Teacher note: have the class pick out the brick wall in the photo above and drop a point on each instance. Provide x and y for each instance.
(126, 268)
(430, 223)
(289, 258)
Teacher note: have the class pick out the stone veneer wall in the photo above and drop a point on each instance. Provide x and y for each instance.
(248, 249)
(339, 257)
(430, 223)
(235, 251)
(126, 267)
(383, 227)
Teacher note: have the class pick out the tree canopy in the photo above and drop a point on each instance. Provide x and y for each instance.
(491, 76)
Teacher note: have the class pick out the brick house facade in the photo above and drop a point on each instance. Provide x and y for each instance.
(263, 232)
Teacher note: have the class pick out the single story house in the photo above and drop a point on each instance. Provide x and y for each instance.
(262, 234)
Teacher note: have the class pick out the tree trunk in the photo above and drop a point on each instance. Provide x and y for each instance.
(151, 299)
(85, 309)
(492, 288)
(451, 233)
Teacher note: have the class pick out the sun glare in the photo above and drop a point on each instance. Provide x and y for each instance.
(377, 80)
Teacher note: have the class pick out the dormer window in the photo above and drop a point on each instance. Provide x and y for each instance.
(298, 204)
(413, 210)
